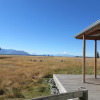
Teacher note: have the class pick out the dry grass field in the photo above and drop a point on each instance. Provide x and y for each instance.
(21, 78)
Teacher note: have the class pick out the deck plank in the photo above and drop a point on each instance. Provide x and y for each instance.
(73, 82)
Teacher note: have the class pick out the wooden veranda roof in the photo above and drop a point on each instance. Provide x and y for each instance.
(92, 32)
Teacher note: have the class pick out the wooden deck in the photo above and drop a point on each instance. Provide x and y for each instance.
(69, 83)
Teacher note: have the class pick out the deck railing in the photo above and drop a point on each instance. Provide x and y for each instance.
(81, 94)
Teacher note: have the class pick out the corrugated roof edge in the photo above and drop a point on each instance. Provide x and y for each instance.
(89, 27)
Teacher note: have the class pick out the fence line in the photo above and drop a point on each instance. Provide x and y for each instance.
(82, 94)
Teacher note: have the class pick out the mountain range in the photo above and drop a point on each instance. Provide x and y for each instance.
(12, 52)
(18, 52)
(63, 55)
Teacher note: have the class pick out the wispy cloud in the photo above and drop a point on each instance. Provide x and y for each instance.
(65, 52)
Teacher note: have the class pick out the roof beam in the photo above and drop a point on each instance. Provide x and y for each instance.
(91, 37)
(98, 37)
(94, 32)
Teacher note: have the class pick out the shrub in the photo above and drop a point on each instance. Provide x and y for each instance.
(97, 54)
(1, 91)
(42, 89)
(48, 75)
(40, 81)
(17, 93)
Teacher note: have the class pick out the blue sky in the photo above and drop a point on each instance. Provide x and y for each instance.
(47, 26)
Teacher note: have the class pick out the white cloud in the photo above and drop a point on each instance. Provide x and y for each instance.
(65, 52)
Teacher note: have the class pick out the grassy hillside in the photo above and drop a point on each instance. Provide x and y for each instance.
(21, 78)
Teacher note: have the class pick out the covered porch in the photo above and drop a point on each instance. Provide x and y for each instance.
(92, 32)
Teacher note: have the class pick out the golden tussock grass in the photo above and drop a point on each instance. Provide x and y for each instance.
(15, 72)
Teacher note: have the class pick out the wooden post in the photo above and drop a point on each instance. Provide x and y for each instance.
(85, 93)
(83, 59)
(95, 59)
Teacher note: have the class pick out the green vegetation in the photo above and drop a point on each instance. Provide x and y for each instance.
(17, 93)
(28, 90)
